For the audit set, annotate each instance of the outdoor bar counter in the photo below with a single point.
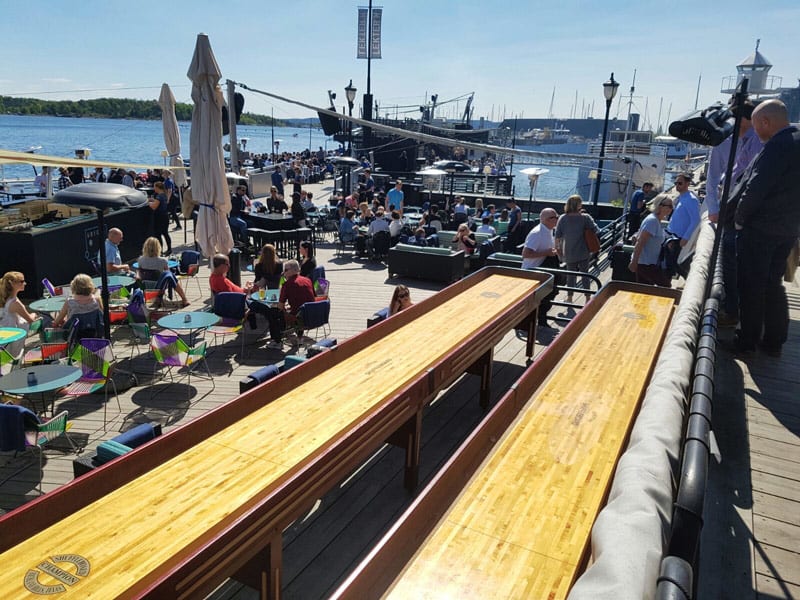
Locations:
(210, 500)
(61, 249)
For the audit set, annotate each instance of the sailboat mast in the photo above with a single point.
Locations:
(630, 107)
(697, 95)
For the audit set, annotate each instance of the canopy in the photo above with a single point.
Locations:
(26, 158)
(172, 135)
(209, 188)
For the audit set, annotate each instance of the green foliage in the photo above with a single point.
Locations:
(109, 108)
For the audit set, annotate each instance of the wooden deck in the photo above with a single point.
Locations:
(751, 535)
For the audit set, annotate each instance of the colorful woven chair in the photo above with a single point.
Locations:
(95, 358)
(172, 352)
(231, 308)
(55, 346)
(21, 429)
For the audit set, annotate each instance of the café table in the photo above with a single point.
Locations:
(197, 320)
(48, 379)
(270, 297)
(11, 334)
(115, 281)
(48, 305)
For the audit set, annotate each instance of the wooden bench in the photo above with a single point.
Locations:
(210, 500)
(509, 516)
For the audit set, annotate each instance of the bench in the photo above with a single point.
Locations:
(267, 372)
(422, 262)
(510, 514)
(116, 446)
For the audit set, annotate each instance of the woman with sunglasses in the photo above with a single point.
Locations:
(12, 312)
(649, 240)
(401, 299)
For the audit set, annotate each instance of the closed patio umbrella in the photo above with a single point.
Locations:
(172, 135)
(209, 188)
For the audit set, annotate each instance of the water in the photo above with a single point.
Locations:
(136, 141)
(130, 141)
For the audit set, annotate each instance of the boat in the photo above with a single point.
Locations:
(679, 149)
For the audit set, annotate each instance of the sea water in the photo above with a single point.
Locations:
(141, 142)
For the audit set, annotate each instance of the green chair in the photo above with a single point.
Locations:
(95, 358)
(172, 352)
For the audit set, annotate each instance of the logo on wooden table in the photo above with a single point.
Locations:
(634, 315)
(50, 569)
(490, 294)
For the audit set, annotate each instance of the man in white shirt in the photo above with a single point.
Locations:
(484, 227)
(379, 223)
(540, 251)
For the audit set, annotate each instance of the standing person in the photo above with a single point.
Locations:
(41, 181)
(571, 241)
(173, 199)
(99, 175)
(114, 264)
(395, 197)
(127, 179)
(267, 269)
(239, 203)
(369, 185)
(298, 212)
(401, 299)
(514, 225)
(685, 220)
(767, 221)
(540, 251)
(63, 179)
(13, 312)
(76, 175)
(277, 179)
(307, 261)
(158, 204)
(636, 207)
(747, 147)
(650, 238)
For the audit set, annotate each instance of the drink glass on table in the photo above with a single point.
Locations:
(262, 293)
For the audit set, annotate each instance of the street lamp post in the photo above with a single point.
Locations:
(450, 171)
(350, 91)
(609, 91)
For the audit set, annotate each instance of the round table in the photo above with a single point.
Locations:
(48, 378)
(48, 305)
(199, 320)
(11, 334)
(270, 297)
(115, 280)
(171, 263)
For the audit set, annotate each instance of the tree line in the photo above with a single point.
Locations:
(110, 108)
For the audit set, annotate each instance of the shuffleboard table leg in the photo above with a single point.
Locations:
(412, 431)
(483, 368)
(531, 342)
(263, 570)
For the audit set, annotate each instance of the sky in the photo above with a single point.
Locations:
(515, 55)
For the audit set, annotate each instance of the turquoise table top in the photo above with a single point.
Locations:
(114, 280)
(48, 378)
(270, 297)
(197, 320)
(172, 264)
(48, 305)
(11, 334)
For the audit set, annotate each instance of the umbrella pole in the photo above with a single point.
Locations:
(104, 295)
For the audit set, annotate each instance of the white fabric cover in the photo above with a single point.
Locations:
(630, 533)
(172, 135)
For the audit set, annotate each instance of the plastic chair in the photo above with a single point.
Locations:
(172, 352)
(189, 267)
(55, 346)
(95, 358)
(315, 315)
(322, 288)
(380, 244)
(21, 429)
(317, 273)
(231, 307)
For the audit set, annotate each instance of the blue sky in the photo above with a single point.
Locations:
(511, 54)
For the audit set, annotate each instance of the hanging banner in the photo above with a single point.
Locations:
(376, 33)
(362, 33)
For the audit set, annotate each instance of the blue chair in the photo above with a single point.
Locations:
(315, 315)
(189, 266)
(317, 273)
(231, 307)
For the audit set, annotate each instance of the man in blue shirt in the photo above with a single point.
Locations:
(395, 196)
(636, 206)
(686, 216)
(114, 264)
(277, 179)
(514, 225)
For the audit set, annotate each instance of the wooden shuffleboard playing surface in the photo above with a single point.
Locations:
(153, 522)
(520, 528)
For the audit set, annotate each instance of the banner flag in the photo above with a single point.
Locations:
(362, 33)
(376, 33)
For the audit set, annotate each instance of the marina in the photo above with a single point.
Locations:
(417, 415)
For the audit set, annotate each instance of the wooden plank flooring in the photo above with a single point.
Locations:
(751, 539)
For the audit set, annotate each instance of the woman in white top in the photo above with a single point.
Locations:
(152, 264)
(84, 300)
(12, 312)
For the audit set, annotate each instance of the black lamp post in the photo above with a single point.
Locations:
(450, 171)
(609, 91)
(350, 91)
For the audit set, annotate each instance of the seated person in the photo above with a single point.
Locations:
(464, 240)
(419, 238)
(240, 204)
(12, 311)
(219, 282)
(365, 216)
(275, 202)
(268, 269)
(295, 292)
(379, 223)
(114, 264)
(84, 300)
(486, 227)
(348, 230)
(152, 265)
(396, 226)
(401, 298)
(306, 200)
